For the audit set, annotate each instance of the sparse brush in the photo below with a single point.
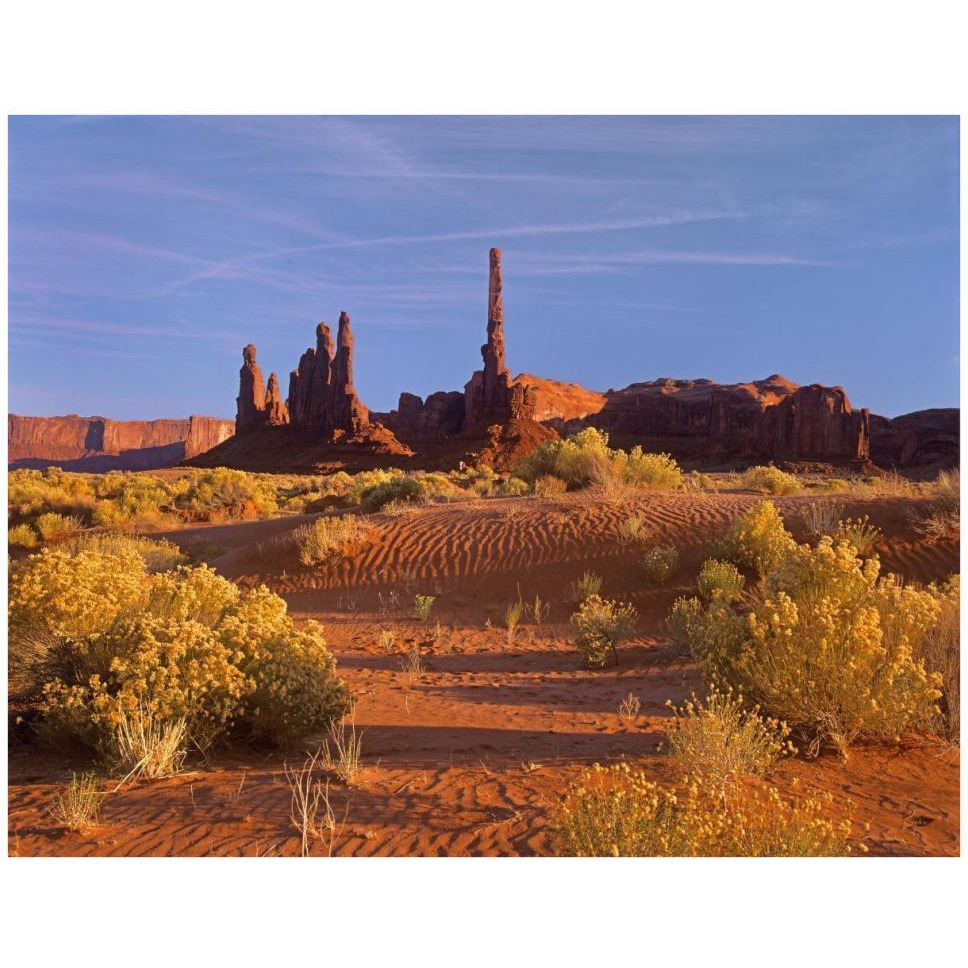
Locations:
(158, 554)
(51, 524)
(629, 707)
(583, 588)
(78, 805)
(861, 535)
(387, 640)
(512, 617)
(720, 578)
(22, 536)
(549, 486)
(722, 739)
(770, 480)
(310, 810)
(684, 623)
(660, 563)
(618, 812)
(148, 746)
(820, 518)
(345, 757)
(326, 538)
(697, 481)
(630, 530)
(538, 610)
(422, 605)
(600, 626)
(941, 652)
(412, 663)
(942, 518)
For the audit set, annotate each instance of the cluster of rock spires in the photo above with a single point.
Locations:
(321, 392)
(498, 417)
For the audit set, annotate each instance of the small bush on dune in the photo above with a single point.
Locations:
(770, 480)
(157, 554)
(758, 539)
(415, 491)
(51, 524)
(619, 812)
(22, 536)
(78, 806)
(631, 529)
(584, 587)
(861, 535)
(660, 563)
(549, 486)
(325, 538)
(422, 605)
(720, 578)
(684, 621)
(722, 739)
(600, 625)
(820, 518)
(942, 517)
(640, 469)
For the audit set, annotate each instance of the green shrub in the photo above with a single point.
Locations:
(600, 625)
(224, 494)
(719, 578)
(400, 490)
(757, 539)
(770, 480)
(619, 812)
(660, 563)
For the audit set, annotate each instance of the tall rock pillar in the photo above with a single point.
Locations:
(251, 401)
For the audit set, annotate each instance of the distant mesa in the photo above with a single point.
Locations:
(98, 444)
(323, 425)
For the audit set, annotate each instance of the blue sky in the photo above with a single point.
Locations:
(146, 251)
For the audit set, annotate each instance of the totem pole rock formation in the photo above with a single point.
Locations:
(489, 396)
(251, 401)
(346, 411)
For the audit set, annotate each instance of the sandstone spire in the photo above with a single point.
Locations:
(493, 350)
(346, 412)
(277, 413)
(251, 401)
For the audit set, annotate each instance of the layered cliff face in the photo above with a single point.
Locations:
(99, 444)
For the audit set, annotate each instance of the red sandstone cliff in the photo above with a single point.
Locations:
(100, 444)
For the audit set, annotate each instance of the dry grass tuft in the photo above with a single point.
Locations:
(78, 805)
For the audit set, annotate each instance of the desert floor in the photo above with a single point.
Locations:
(471, 756)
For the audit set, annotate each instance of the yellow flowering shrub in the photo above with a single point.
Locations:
(831, 647)
(106, 643)
(770, 480)
(719, 577)
(158, 554)
(600, 624)
(758, 539)
(172, 669)
(619, 812)
(291, 678)
(325, 537)
(74, 596)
